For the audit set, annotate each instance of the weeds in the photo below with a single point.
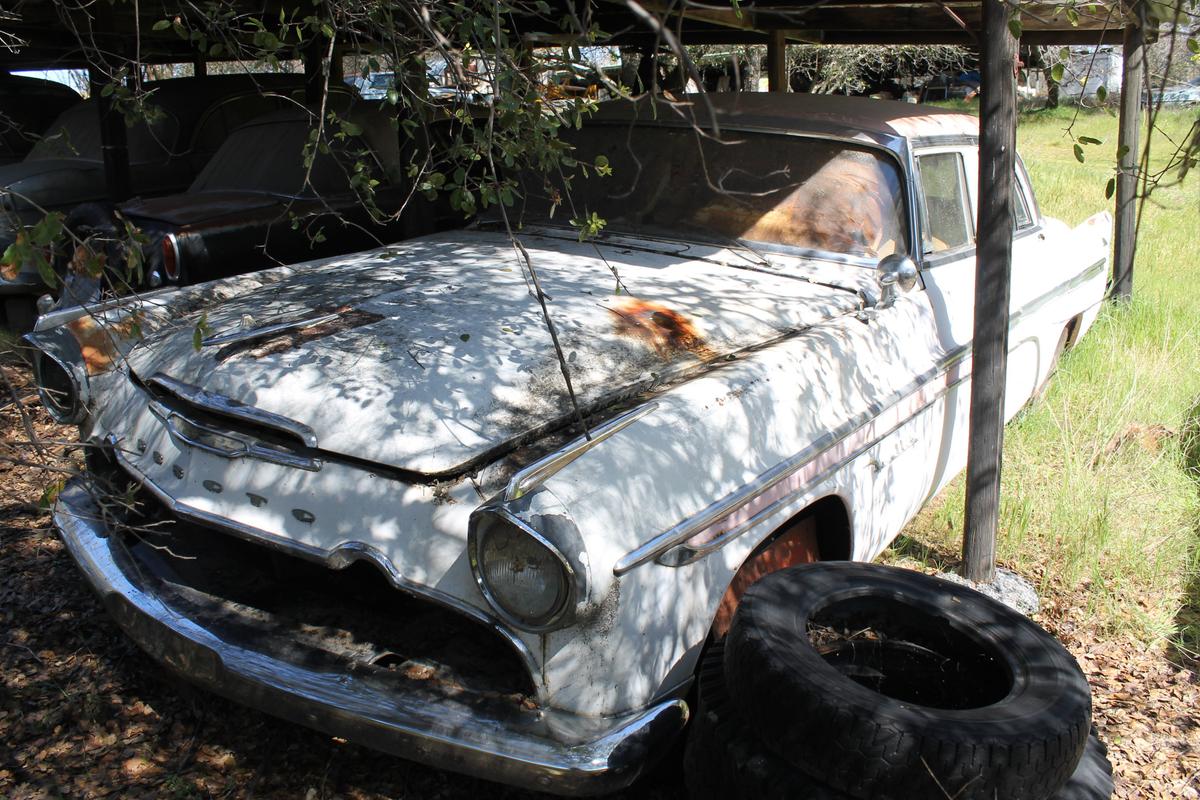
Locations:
(1101, 484)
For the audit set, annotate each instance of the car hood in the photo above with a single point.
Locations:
(52, 182)
(195, 208)
(433, 356)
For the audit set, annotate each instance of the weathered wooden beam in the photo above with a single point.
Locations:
(1133, 75)
(993, 267)
(777, 71)
(114, 146)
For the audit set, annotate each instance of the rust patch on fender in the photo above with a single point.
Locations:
(100, 344)
(289, 340)
(666, 330)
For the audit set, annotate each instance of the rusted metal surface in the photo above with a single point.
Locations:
(101, 343)
(668, 331)
(795, 546)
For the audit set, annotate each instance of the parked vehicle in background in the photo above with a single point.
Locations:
(27, 107)
(1178, 95)
(366, 500)
(191, 117)
(255, 205)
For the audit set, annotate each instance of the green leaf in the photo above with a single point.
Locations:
(466, 337)
(1122, 151)
(1078, 153)
(1101, 93)
(1110, 188)
(1194, 46)
(1073, 16)
(162, 25)
(1014, 26)
(1056, 73)
(1089, 140)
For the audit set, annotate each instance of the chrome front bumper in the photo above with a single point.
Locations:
(541, 749)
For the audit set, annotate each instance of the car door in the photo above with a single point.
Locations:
(947, 177)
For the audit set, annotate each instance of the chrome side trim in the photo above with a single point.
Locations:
(537, 473)
(543, 749)
(341, 556)
(815, 472)
(722, 508)
(1039, 302)
(660, 545)
(219, 404)
(267, 330)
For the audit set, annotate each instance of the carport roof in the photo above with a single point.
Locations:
(47, 36)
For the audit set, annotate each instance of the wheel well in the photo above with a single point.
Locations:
(821, 532)
(1073, 331)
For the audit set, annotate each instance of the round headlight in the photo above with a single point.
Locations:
(521, 575)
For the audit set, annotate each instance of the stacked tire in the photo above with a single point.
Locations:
(840, 680)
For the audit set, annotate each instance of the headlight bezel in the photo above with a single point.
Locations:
(572, 580)
(59, 348)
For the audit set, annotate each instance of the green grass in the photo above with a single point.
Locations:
(1117, 523)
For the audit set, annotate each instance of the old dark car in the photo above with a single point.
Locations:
(66, 167)
(255, 205)
(27, 107)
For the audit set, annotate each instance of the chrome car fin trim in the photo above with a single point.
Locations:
(248, 447)
(728, 504)
(333, 559)
(266, 330)
(537, 473)
(219, 404)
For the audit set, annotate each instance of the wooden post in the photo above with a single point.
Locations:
(200, 68)
(114, 144)
(315, 77)
(1132, 78)
(993, 263)
(777, 71)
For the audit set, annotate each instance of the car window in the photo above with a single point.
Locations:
(232, 113)
(267, 156)
(76, 134)
(947, 222)
(1021, 216)
(799, 191)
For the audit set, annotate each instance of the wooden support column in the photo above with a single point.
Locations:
(993, 267)
(315, 76)
(200, 68)
(777, 71)
(113, 140)
(1132, 79)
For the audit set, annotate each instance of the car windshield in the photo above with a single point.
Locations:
(76, 134)
(268, 157)
(791, 190)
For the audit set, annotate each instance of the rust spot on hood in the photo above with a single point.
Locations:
(349, 319)
(666, 330)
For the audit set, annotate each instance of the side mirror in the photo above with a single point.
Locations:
(896, 273)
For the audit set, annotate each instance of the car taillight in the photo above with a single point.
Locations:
(170, 257)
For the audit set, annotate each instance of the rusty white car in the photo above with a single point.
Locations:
(364, 500)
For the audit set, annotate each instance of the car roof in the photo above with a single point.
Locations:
(886, 122)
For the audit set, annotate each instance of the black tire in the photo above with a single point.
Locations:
(1001, 710)
(725, 760)
(1093, 778)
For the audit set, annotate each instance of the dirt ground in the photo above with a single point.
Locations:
(84, 714)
